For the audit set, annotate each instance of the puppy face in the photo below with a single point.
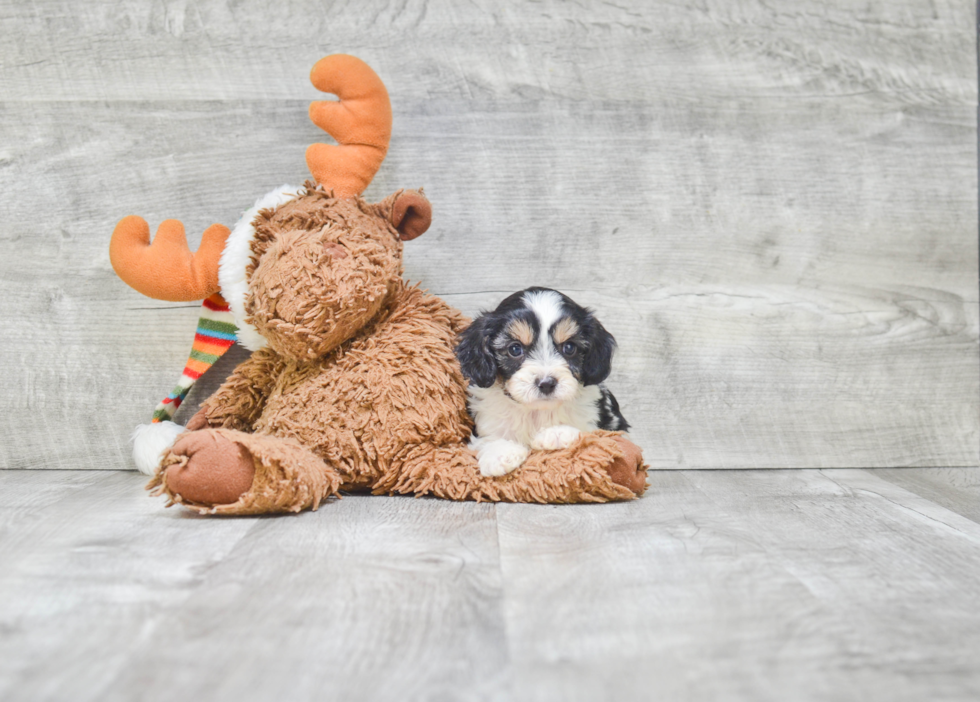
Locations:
(540, 345)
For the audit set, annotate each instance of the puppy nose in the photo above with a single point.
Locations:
(547, 385)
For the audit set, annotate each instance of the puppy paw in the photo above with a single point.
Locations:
(557, 437)
(501, 457)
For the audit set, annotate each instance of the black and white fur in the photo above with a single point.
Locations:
(535, 367)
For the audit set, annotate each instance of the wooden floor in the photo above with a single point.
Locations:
(718, 585)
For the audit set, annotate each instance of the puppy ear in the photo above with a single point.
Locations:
(597, 362)
(473, 351)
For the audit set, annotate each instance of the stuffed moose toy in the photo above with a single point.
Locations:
(352, 384)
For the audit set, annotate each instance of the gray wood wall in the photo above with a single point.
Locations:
(772, 205)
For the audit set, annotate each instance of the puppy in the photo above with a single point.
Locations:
(535, 367)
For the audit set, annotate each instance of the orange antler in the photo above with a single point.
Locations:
(360, 122)
(166, 269)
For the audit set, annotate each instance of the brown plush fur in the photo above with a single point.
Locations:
(358, 388)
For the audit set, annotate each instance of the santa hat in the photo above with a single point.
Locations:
(215, 335)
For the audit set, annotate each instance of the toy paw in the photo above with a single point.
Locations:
(217, 470)
(628, 470)
(553, 438)
(501, 457)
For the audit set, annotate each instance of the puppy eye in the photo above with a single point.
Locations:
(568, 348)
(515, 350)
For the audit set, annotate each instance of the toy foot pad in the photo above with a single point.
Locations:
(218, 471)
(628, 470)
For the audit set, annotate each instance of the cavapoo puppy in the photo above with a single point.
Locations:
(535, 367)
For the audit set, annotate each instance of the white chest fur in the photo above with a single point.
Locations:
(499, 417)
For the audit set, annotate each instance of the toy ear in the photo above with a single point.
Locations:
(411, 214)
(473, 351)
(598, 359)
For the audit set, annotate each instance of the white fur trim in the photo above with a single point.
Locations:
(149, 443)
(235, 258)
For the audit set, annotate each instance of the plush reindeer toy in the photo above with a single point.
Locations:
(352, 383)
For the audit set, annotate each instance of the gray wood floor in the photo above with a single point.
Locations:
(718, 585)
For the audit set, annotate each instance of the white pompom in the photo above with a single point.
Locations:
(149, 443)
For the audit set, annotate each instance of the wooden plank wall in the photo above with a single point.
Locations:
(773, 205)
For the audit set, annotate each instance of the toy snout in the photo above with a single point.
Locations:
(323, 271)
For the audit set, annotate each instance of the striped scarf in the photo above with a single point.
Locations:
(215, 335)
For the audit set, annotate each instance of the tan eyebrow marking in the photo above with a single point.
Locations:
(564, 330)
(521, 330)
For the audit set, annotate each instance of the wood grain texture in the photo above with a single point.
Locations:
(909, 50)
(388, 599)
(772, 205)
(956, 489)
(735, 585)
(739, 585)
(106, 595)
(89, 568)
